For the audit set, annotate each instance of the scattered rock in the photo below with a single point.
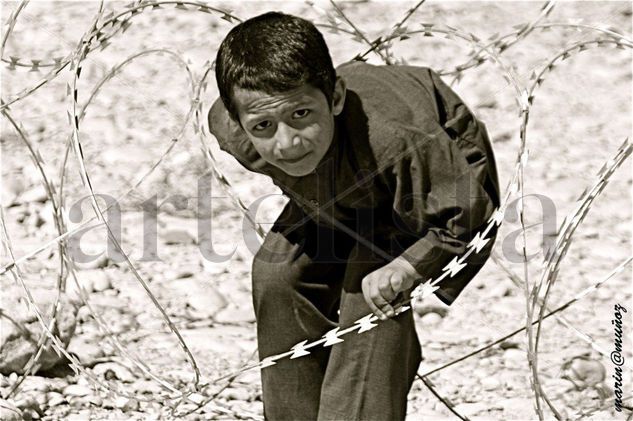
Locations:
(73, 289)
(424, 309)
(77, 390)
(509, 345)
(178, 236)
(35, 194)
(101, 281)
(29, 404)
(55, 399)
(235, 315)
(99, 262)
(114, 371)
(470, 409)
(35, 383)
(9, 412)
(490, 383)
(518, 408)
(88, 352)
(500, 290)
(126, 404)
(514, 357)
(21, 329)
(203, 299)
(431, 319)
(236, 394)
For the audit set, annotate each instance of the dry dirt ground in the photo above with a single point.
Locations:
(581, 115)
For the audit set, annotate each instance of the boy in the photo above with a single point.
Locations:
(389, 177)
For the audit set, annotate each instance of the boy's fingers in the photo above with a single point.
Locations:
(368, 295)
(387, 291)
(381, 303)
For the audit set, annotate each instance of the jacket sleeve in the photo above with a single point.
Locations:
(444, 185)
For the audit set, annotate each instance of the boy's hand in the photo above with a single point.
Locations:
(383, 285)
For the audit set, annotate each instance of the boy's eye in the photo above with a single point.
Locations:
(262, 126)
(300, 113)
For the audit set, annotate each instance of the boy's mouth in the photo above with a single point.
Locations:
(295, 160)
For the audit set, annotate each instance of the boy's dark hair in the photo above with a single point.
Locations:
(273, 53)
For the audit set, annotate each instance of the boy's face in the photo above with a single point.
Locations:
(291, 130)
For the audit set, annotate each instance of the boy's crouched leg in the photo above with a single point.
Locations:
(296, 290)
(369, 374)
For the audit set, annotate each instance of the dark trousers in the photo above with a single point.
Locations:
(301, 280)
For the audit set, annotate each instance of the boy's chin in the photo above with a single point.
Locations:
(297, 171)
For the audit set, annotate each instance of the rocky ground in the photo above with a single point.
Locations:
(195, 258)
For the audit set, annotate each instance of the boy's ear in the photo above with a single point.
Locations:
(338, 99)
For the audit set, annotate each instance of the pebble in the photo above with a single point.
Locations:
(36, 383)
(29, 403)
(114, 371)
(34, 194)
(83, 314)
(518, 408)
(235, 394)
(508, 345)
(490, 383)
(87, 352)
(177, 236)
(72, 289)
(514, 357)
(42, 399)
(235, 315)
(499, 291)
(206, 302)
(77, 390)
(470, 409)
(425, 309)
(9, 412)
(126, 404)
(98, 262)
(101, 281)
(431, 319)
(55, 399)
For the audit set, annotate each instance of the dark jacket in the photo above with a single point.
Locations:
(410, 168)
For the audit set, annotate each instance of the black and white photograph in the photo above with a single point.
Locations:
(330, 210)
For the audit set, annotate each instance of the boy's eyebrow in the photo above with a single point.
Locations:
(301, 102)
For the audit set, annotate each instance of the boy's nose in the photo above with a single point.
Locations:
(288, 142)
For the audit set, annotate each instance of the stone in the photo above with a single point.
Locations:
(112, 371)
(29, 404)
(430, 319)
(35, 383)
(490, 383)
(101, 281)
(515, 357)
(470, 409)
(77, 390)
(9, 412)
(235, 315)
(99, 262)
(177, 236)
(236, 394)
(424, 309)
(126, 404)
(203, 299)
(88, 352)
(34, 194)
(73, 288)
(55, 399)
(518, 408)
(21, 329)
